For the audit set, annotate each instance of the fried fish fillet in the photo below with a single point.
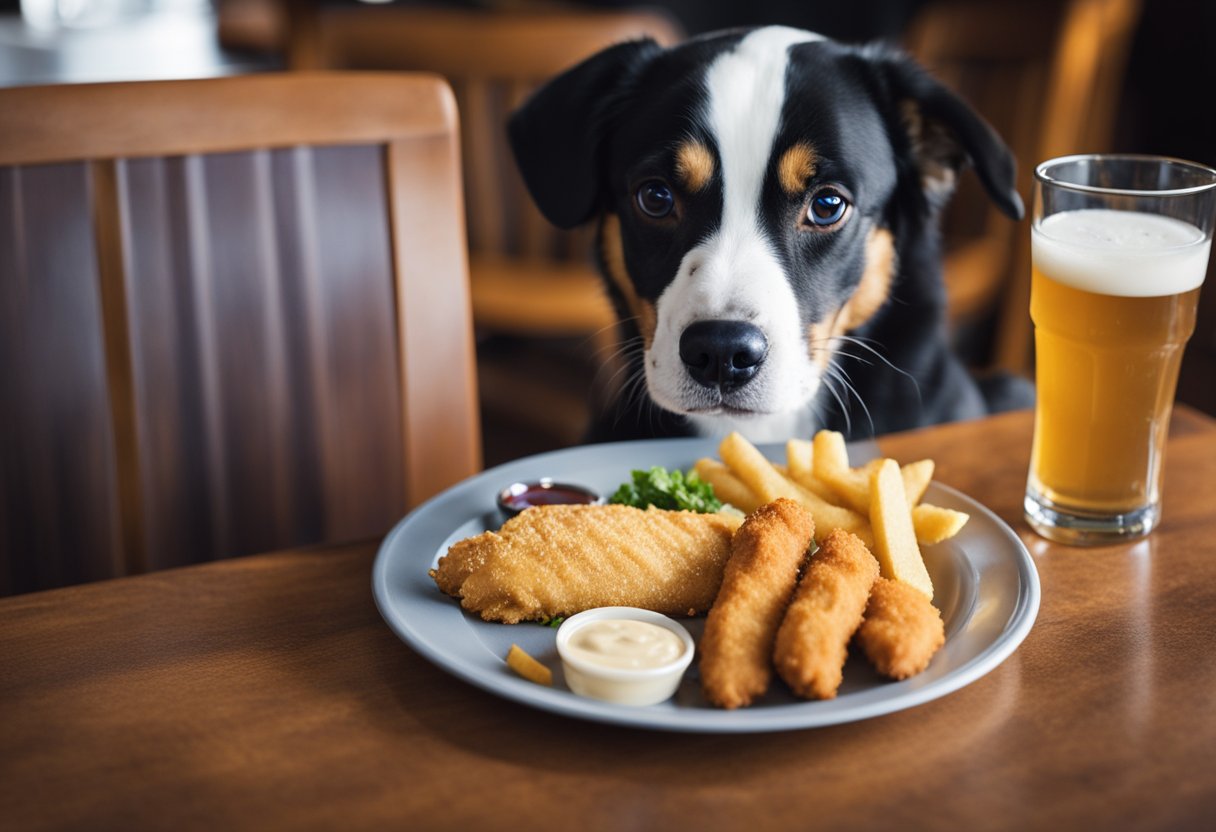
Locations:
(812, 644)
(559, 560)
(737, 648)
(901, 631)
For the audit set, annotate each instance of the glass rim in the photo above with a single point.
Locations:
(1043, 177)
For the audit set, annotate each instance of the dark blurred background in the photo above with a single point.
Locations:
(1054, 76)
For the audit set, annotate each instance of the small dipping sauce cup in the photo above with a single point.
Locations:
(543, 492)
(599, 674)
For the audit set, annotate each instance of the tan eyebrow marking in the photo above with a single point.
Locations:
(694, 165)
(796, 167)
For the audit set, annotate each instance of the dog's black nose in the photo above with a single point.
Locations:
(723, 354)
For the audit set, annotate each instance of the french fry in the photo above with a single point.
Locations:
(894, 537)
(528, 667)
(727, 487)
(830, 462)
(934, 524)
(753, 468)
(798, 459)
(829, 517)
(767, 484)
(869, 468)
(800, 463)
(829, 452)
(916, 477)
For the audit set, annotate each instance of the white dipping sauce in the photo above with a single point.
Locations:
(624, 655)
(623, 643)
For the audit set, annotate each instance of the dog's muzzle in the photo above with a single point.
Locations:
(723, 355)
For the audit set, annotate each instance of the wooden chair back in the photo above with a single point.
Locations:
(234, 318)
(1047, 75)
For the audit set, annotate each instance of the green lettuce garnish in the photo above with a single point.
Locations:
(671, 490)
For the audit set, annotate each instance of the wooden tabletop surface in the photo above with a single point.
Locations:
(266, 693)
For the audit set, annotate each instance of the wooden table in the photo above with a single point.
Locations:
(266, 693)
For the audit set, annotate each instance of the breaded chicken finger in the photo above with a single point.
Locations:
(813, 641)
(901, 631)
(766, 554)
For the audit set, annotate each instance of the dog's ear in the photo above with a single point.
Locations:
(556, 134)
(945, 133)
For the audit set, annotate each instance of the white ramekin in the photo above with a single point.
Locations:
(624, 686)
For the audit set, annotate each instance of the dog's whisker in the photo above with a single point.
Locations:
(607, 327)
(829, 347)
(862, 342)
(857, 358)
(621, 358)
(852, 339)
(635, 390)
(835, 373)
(614, 348)
(840, 370)
(615, 382)
(864, 408)
(841, 398)
(818, 412)
(625, 396)
(629, 348)
(607, 353)
(849, 339)
(858, 338)
(620, 361)
(629, 395)
(844, 408)
(629, 390)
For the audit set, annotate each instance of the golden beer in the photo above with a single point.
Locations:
(1113, 300)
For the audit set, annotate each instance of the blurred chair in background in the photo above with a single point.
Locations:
(234, 318)
(1047, 74)
(258, 26)
(529, 280)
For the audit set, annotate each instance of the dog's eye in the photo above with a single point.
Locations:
(827, 208)
(655, 199)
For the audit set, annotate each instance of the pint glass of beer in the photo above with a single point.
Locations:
(1119, 246)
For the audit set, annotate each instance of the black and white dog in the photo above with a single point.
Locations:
(767, 204)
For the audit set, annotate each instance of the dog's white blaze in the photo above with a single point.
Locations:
(746, 93)
(735, 274)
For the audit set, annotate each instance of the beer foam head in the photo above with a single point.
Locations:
(1122, 253)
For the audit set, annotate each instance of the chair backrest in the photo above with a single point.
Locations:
(1047, 75)
(234, 318)
(493, 61)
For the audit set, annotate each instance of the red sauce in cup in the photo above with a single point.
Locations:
(545, 492)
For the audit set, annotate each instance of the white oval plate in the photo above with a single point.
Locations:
(984, 580)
